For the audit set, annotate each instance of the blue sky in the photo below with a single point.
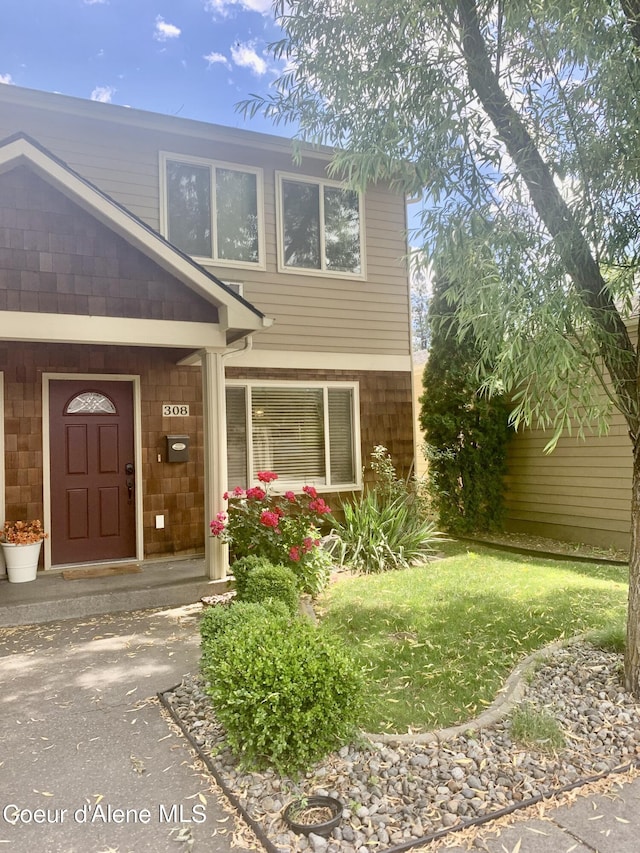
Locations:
(193, 58)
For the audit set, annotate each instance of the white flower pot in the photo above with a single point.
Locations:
(21, 561)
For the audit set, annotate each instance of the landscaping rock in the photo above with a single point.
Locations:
(397, 794)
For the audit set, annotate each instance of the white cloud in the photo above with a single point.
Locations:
(7, 78)
(224, 7)
(245, 56)
(214, 58)
(164, 31)
(103, 94)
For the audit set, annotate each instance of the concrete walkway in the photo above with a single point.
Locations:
(81, 736)
(600, 823)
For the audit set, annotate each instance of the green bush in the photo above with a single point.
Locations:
(285, 692)
(217, 619)
(242, 568)
(314, 571)
(379, 534)
(269, 582)
(466, 432)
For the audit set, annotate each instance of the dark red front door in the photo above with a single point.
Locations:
(92, 474)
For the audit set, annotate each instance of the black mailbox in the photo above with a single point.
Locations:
(177, 448)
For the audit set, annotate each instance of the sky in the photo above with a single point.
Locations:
(192, 58)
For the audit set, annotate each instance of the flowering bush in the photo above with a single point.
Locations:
(22, 532)
(281, 528)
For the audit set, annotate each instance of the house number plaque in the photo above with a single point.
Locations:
(175, 410)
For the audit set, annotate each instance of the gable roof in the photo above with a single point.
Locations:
(238, 317)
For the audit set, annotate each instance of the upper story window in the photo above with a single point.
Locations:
(213, 211)
(321, 227)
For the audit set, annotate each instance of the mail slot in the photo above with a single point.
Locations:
(177, 448)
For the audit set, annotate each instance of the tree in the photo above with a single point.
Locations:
(520, 122)
(420, 280)
(466, 432)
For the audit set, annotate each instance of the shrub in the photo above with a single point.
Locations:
(379, 535)
(285, 693)
(243, 567)
(269, 582)
(386, 527)
(281, 528)
(215, 620)
(466, 432)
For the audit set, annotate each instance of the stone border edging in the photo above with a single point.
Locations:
(507, 697)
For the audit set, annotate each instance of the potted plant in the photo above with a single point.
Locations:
(315, 814)
(21, 542)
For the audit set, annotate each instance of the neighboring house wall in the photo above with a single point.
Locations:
(581, 492)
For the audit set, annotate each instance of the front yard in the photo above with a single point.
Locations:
(437, 641)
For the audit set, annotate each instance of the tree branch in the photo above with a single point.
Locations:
(631, 9)
(554, 212)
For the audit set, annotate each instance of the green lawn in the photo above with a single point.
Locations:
(437, 641)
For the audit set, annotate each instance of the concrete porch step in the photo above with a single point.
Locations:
(51, 598)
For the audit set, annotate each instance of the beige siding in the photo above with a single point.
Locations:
(118, 151)
(580, 492)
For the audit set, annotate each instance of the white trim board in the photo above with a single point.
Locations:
(305, 360)
(33, 327)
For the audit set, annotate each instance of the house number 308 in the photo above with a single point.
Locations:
(173, 410)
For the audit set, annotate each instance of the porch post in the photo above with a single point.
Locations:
(215, 458)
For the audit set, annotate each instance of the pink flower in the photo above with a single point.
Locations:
(310, 490)
(269, 519)
(256, 493)
(225, 496)
(290, 497)
(238, 491)
(221, 516)
(307, 543)
(217, 528)
(267, 476)
(294, 554)
(319, 506)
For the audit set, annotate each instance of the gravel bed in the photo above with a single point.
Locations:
(395, 794)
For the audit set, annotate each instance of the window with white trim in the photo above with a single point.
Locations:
(320, 226)
(306, 433)
(213, 211)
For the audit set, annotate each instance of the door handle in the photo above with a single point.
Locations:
(130, 489)
(128, 469)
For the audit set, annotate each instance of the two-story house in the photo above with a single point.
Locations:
(182, 306)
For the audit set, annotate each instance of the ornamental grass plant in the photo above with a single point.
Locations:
(387, 526)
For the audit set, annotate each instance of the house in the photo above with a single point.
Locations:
(181, 306)
(579, 493)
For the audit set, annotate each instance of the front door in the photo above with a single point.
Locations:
(92, 471)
